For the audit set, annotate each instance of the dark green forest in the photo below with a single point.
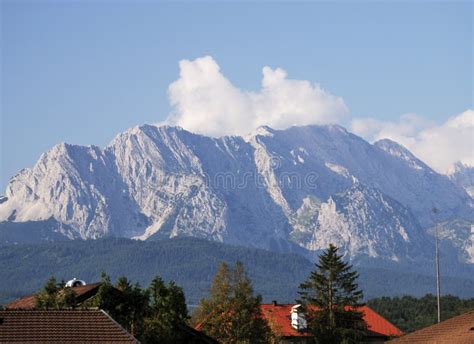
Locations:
(191, 263)
(409, 313)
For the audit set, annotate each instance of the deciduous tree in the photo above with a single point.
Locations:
(232, 313)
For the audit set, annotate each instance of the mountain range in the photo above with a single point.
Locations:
(293, 190)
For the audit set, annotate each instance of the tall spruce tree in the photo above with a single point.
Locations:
(331, 301)
(232, 313)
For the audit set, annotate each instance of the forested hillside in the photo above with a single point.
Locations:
(409, 313)
(191, 263)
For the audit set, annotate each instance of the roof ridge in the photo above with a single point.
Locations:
(444, 330)
(121, 327)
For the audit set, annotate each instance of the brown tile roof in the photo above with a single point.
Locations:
(82, 293)
(61, 326)
(457, 330)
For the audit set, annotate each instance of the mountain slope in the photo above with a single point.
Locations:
(77, 186)
(389, 230)
(285, 190)
(463, 176)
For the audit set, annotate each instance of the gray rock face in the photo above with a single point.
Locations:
(295, 189)
(463, 176)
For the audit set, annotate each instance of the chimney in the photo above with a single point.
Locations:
(274, 303)
(298, 320)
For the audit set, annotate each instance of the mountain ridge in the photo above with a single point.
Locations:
(283, 190)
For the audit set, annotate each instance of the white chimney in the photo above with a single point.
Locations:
(298, 320)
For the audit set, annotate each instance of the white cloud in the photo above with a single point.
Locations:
(440, 146)
(206, 102)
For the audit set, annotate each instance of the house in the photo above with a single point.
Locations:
(61, 326)
(287, 321)
(83, 292)
(457, 330)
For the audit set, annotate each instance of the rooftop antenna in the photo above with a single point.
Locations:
(435, 212)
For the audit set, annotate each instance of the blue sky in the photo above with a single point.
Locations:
(83, 71)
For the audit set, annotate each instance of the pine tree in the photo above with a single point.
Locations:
(130, 305)
(331, 298)
(124, 302)
(231, 313)
(47, 298)
(67, 299)
(166, 313)
(55, 296)
(106, 296)
(155, 315)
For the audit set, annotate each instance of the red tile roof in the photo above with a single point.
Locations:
(82, 293)
(61, 326)
(457, 330)
(379, 324)
(280, 316)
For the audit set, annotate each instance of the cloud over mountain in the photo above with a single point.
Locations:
(206, 102)
(440, 146)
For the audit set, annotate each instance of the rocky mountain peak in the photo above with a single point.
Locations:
(287, 190)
